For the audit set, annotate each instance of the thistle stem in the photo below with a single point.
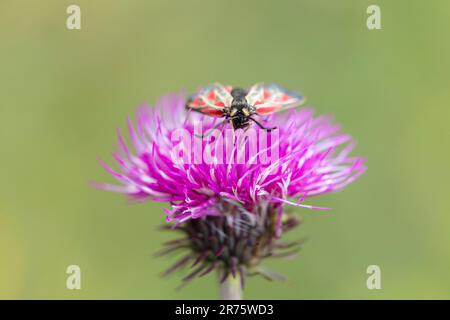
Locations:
(231, 289)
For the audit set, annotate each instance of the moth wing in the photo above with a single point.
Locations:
(255, 94)
(211, 100)
(275, 98)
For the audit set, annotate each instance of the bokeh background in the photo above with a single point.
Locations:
(63, 94)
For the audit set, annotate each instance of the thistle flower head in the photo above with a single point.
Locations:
(227, 197)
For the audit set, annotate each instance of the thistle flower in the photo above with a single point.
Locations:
(230, 213)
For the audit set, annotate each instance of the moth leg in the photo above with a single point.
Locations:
(261, 126)
(210, 131)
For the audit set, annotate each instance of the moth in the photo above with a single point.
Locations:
(239, 106)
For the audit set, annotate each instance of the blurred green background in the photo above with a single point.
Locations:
(63, 94)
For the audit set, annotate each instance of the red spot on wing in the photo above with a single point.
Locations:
(266, 94)
(194, 103)
(211, 96)
(212, 112)
(267, 110)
